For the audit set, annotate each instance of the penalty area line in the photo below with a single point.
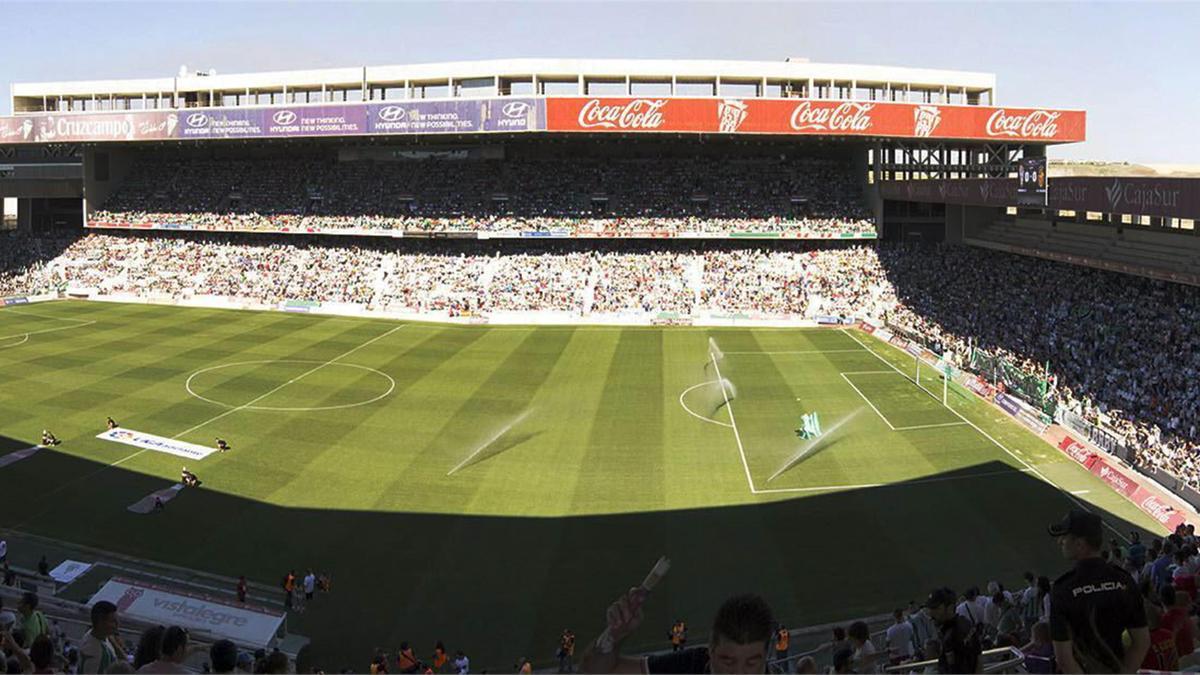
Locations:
(800, 351)
(997, 443)
(931, 426)
(864, 397)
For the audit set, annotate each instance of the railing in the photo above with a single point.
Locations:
(788, 664)
(999, 660)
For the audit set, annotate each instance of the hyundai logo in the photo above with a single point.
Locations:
(392, 113)
(515, 109)
(284, 117)
(197, 120)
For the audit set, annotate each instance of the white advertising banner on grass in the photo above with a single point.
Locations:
(247, 626)
(157, 443)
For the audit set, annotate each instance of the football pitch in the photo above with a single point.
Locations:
(489, 486)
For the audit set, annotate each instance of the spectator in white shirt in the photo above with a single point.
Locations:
(865, 656)
(969, 608)
(899, 639)
(310, 585)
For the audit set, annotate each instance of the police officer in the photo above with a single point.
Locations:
(1092, 605)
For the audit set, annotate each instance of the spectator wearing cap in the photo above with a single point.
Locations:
(1093, 604)
(101, 647)
(245, 662)
(959, 650)
(739, 642)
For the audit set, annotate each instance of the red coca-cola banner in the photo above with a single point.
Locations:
(1115, 479)
(1158, 509)
(1078, 452)
(815, 117)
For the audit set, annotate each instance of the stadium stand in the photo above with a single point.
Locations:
(681, 195)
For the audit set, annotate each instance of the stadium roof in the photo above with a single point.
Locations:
(493, 76)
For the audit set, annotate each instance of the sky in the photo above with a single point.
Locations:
(1132, 66)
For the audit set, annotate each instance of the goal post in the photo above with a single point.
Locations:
(934, 378)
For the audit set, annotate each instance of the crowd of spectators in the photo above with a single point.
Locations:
(465, 277)
(816, 197)
(1118, 350)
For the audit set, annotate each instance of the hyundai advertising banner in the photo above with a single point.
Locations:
(348, 119)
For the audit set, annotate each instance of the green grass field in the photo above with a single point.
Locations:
(489, 486)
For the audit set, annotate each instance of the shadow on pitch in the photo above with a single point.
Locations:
(505, 587)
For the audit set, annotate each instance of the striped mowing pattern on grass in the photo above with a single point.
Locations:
(517, 479)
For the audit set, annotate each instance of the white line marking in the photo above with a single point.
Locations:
(46, 316)
(693, 414)
(296, 379)
(988, 436)
(119, 462)
(24, 339)
(866, 372)
(830, 488)
(188, 386)
(46, 330)
(1080, 492)
(733, 423)
(931, 426)
(802, 351)
(864, 397)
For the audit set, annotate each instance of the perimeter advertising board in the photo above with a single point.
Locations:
(348, 119)
(561, 114)
(1166, 197)
(813, 117)
(245, 625)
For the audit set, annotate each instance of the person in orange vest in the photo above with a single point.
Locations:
(439, 657)
(289, 585)
(678, 635)
(781, 643)
(406, 661)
